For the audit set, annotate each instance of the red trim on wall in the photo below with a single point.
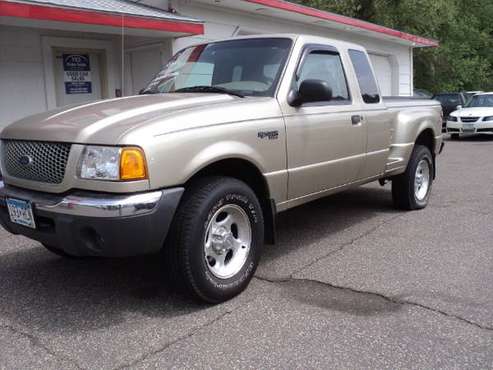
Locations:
(311, 12)
(49, 13)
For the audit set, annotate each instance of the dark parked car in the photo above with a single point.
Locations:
(422, 93)
(449, 102)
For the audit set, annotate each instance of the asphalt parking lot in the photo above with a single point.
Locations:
(352, 283)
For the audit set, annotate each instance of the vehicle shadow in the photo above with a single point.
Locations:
(42, 291)
(315, 221)
(52, 294)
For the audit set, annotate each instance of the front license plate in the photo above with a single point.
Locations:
(468, 127)
(21, 212)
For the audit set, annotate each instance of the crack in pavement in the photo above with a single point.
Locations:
(291, 278)
(345, 245)
(179, 339)
(389, 299)
(36, 342)
(217, 319)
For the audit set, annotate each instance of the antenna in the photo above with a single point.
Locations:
(123, 56)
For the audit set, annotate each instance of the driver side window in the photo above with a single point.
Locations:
(326, 66)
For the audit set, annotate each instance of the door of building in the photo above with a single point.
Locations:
(78, 76)
(145, 64)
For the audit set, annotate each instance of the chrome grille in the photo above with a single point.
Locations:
(469, 119)
(35, 161)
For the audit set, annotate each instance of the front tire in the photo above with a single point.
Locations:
(216, 239)
(454, 136)
(411, 190)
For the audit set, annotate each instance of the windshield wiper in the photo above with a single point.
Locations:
(209, 89)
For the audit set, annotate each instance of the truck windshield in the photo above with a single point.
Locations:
(481, 101)
(243, 67)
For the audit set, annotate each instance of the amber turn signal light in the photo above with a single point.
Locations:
(132, 164)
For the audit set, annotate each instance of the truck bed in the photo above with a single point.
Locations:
(408, 101)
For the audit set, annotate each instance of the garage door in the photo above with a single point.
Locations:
(383, 70)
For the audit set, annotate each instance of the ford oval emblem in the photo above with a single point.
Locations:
(25, 160)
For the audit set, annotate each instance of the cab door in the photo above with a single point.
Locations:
(325, 140)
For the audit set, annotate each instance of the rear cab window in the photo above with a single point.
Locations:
(366, 78)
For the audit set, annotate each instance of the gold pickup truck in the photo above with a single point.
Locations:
(196, 167)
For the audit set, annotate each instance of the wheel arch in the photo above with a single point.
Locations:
(246, 171)
(427, 138)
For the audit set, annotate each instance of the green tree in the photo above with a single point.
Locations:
(464, 29)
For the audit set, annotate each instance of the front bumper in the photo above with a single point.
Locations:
(96, 224)
(470, 128)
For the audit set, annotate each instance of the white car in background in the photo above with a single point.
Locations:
(476, 117)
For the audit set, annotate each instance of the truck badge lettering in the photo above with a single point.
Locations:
(271, 135)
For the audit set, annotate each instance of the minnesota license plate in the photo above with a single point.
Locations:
(21, 212)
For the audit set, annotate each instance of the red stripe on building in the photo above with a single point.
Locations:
(49, 13)
(303, 10)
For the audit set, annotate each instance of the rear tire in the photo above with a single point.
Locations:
(454, 136)
(216, 239)
(412, 189)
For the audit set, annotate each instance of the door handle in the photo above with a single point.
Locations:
(356, 120)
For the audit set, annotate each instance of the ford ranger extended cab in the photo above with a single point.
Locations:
(197, 166)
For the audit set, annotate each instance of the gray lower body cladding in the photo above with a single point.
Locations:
(92, 230)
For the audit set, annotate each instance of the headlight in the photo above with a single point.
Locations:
(452, 119)
(113, 163)
(487, 119)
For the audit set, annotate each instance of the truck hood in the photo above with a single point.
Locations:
(473, 112)
(107, 121)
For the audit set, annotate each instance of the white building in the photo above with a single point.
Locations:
(120, 44)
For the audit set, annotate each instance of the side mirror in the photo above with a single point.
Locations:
(310, 91)
(459, 107)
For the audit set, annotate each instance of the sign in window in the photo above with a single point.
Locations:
(77, 74)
